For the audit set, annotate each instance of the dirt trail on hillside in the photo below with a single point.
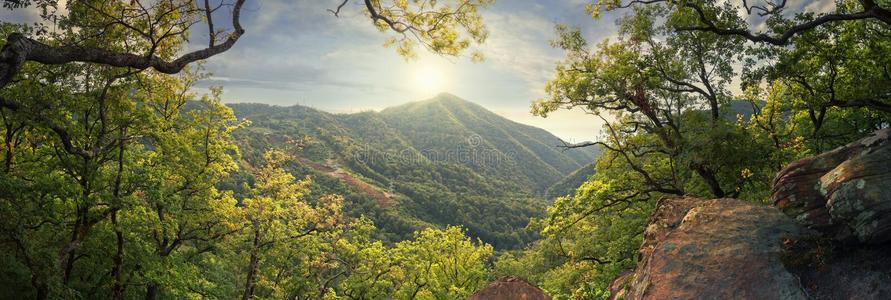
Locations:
(383, 199)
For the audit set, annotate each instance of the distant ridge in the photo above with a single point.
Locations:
(436, 162)
(521, 149)
(441, 127)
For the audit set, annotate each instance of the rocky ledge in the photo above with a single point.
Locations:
(510, 288)
(731, 249)
(827, 237)
(714, 249)
(844, 193)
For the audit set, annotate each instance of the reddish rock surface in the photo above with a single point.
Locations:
(617, 286)
(715, 249)
(844, 193)
(828, 236)
(510, 288)
(731, 249)
(668, 216)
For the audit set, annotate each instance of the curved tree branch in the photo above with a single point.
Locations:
(336, 11)
(870, 11)
(20, 49)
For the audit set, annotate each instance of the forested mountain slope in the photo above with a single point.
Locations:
(431, 163)
(450, 129)
(568, 185)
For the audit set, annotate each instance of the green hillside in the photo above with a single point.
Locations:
(568, 185)
(451, 129)
(443, 161)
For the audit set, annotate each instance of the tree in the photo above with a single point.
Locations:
(441, 264)
(277, 218)
(834, 81)
(439, 26)
(865, 23)
(664, 94)
(721, 19)
(178, 215)
(125, 186)
(673, 127)
(443, 27)
(152, 26)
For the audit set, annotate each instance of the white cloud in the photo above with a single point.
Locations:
(297, 52)
(518, 42)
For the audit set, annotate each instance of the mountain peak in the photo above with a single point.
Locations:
(445, 97)
(446, 101)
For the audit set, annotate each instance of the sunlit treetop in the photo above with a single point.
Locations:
(442, 27)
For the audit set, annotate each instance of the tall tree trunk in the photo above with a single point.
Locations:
(252, 266)
(151, 291)
(81, 227)
(42, 291)
(10, 141)
(251, 275)
(118, 269)
(67, 255)
(711, 180)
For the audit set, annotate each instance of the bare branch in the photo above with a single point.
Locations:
(567, 146)
(336, 11)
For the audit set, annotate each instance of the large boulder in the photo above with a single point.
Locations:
(844, 193)
(510, 288)
(731, 249)
(715, 249)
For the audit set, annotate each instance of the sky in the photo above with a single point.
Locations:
(297, 52)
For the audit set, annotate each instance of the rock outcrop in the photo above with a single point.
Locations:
(510, 288)
(731, 249)
(828, 236)
(844, 193)
(715, 249)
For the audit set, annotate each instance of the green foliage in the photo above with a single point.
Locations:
(441, 265)
(673, 126)
(588, 238)
(569, 184)
(116, 184)
(125, 166)
(443, 27)
(428, 157)
(121, 183)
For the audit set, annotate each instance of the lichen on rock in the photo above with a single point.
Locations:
(714, 249)
(844, 193)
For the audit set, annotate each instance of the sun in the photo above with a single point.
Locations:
(429, 79)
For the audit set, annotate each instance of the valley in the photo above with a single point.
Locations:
(438, 162)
